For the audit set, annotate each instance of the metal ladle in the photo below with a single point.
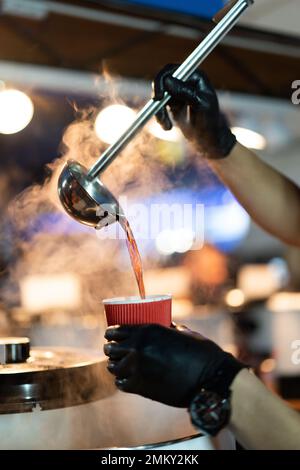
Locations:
(81, 193)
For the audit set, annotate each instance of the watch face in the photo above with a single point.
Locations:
(209, 412)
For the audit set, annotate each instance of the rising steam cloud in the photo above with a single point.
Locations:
(58, 246)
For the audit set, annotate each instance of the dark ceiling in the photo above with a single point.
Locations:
(63, 40)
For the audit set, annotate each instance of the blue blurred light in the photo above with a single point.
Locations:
(226, 223)
(200, 8)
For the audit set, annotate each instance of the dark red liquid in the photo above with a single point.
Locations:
(135, 256)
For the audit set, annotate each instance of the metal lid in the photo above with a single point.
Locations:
(53, 378)
(14, 350)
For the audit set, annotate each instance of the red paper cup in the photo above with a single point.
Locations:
(137, 311)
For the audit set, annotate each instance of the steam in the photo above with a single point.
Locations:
(62, 246)
(43, 240)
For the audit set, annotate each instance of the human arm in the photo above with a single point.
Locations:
(271, 199)
(260, 420)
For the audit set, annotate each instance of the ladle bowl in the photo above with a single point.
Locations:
(86, 199)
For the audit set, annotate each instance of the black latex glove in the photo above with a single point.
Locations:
(167, 365)
(195, 109)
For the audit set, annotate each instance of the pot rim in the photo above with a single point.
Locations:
(159, 444)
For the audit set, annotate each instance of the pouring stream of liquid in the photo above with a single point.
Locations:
(135, 256)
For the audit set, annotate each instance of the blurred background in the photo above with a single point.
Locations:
(72, 75)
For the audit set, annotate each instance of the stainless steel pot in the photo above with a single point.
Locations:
(63, 398)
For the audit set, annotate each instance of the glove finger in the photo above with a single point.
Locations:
(128, 384)
(199, 77)
(115, 351)
(124, 368)
(164, 119)
(120, 333)
(182, 92)
(179, 90)
(159, 81)
(205, 91)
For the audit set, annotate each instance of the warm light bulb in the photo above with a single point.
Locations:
(112, 121)
(164, 243)
(174, 135)
(174, 241)
(249, 138)
(16, 111)
(183, 240)
(235, 298)
(268, 365)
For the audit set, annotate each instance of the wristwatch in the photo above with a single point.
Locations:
(210, 408)
(210, 412)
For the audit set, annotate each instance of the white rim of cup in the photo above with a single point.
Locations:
(136, 300)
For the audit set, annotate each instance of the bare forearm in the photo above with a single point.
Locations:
(260, 420)
(271, 199)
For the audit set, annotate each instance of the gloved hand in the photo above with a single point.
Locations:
(195, 109)
(167, 365)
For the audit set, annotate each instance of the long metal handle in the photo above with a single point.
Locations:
(183, 72)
